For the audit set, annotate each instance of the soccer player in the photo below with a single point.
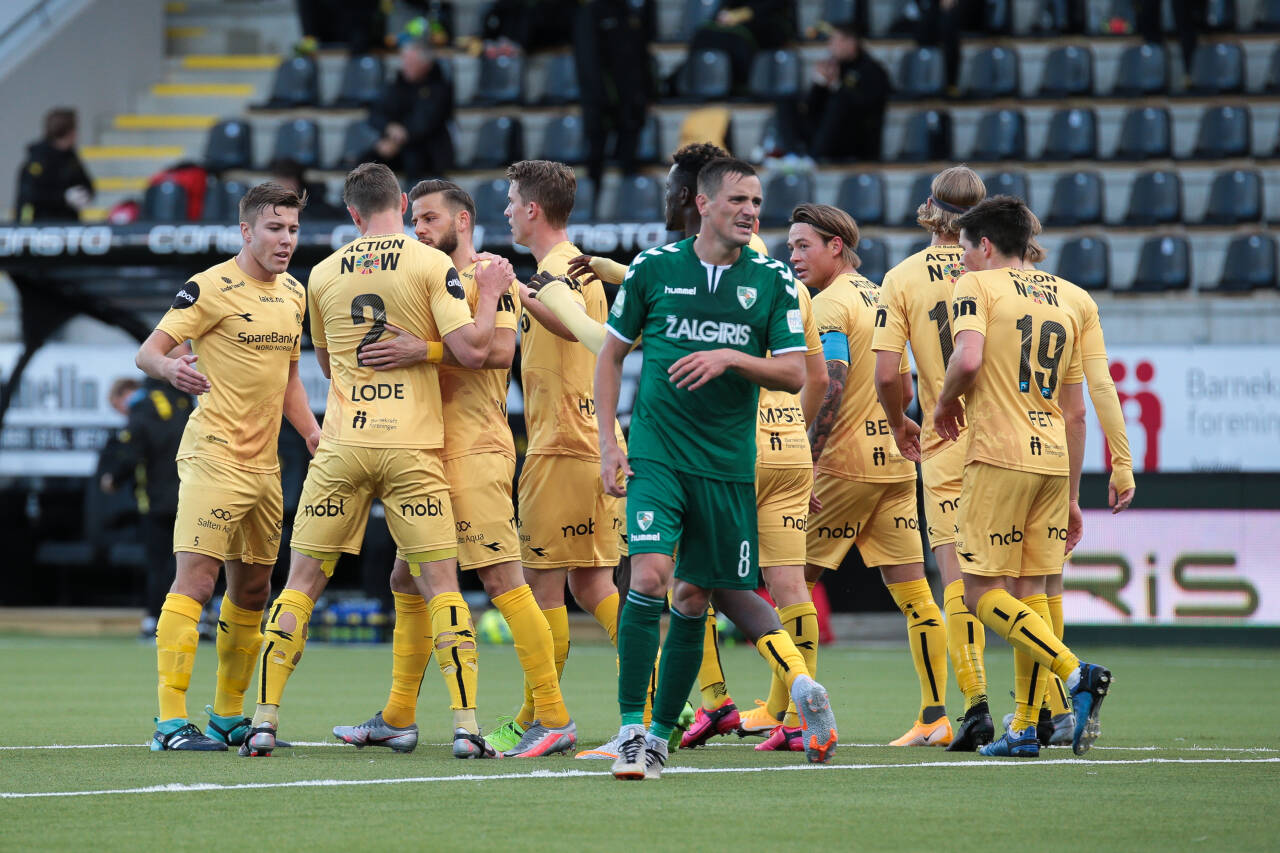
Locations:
(568, 525)
(479, 465)
(709, 309)
(244, 320)
(383, 434)
(1017, 362)
(915, 308)
(865, 490)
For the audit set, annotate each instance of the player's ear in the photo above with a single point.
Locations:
(835, 246)
(404, 203)
(246, 232)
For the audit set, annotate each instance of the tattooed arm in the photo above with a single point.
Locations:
(820, 429)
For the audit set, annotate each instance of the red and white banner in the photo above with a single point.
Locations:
(1175, 567)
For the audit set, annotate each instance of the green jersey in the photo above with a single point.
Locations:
(682, 305)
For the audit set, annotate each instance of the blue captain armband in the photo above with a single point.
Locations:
(835, 347)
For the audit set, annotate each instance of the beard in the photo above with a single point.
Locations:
(448, 242)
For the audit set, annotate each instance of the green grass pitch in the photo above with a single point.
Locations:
(1189, 759)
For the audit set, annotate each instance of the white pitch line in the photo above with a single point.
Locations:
(204, 787)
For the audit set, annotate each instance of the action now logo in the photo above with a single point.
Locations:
(707, 331)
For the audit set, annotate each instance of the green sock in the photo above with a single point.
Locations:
(681, 660)
(638, 638)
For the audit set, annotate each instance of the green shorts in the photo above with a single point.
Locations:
(712, 521)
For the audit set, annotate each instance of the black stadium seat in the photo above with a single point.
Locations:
(921, 73)
(1155, 199)
(1272, 84)
(696, 13)
(862, 197)
(782, 193)
(1008, 183)
(222, 201)
(1077, 199)
(874, 255)
(1235, 196)
(921, 188)
(707, 75)
(165, 202)
(562, 81)
(993, 73)
(564, 140)
(1146, 133)
(1164, 263)
(640, 198)
(296, 84)
(1268, 16)
(298, 139)
(1220, 15)
(499, 143)
(1144, 70)
(229, 145)
(649, 149)
(357, 140)
(927, 136)
(776, 74)
(1073, 135)
(491, 202)
(362, 82)
(1002, 135)
(1068, 73)
(1250, 263)
(584, 202)
(501, 80)
(1224, 132)
(1086, 261)
(1217, 69)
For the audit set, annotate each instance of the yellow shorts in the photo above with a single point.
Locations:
(566, 520)
(782, 511)
(343, 481)
(942, 474)
(880, 518)
(484, 518)
(228, 513)
(1012, 523)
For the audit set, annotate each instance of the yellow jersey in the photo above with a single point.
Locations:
(354, 293)
(475, 401)
(915, 306)
(1032, 348)
(781, 437)
(861, 445)
(245, 332)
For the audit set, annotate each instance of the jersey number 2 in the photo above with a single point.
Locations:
(374, 302)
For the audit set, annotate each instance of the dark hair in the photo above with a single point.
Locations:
(713, 173)
(371, 188)
(455, 196)
(1004, 220)
(548, 184)
(59, 122)
(690, 159)
(831, 222)
(269, 194)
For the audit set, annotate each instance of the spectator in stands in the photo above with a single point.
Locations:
(941, 22)
(512, 26)
(289, 173)
(144, 452)
(611, 48)
(53, 183)
(359, 27)
(413, 115)
(843, 115)
(1187, 16)
(742, 28)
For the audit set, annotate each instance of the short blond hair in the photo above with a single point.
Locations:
(548, 184)
(953, 191)
(831, 222)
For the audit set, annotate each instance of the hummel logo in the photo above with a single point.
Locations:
(248, 318)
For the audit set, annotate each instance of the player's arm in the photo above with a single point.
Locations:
(554, 294)
(154, 359)
(893, 389)
(542, 313)
(584, 269)
(782, 372)
(608, 380)
(1072, 401)
(962, 370)
(816, 382)
(825, 420)
(1102, 391)
(297, 409)
(470, 343)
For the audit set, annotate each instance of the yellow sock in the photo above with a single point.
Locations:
(966, 645)
(558, 620)
(606, 614)
(928, 639)
(800, 621)
(1056, 700)
(780, 652)
(177, 636)
(536, 651)
(453, 638)
(1026, 631)
(710, 674)
(239, 641)
(1029, 678)
(410, 651)
(286, 637)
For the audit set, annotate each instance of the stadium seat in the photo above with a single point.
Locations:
(1073, 135)
(1146, 133)
(165, 202)
(772, 143)
(920, 190)
(1155, 199)
(927, 136)
(874, 255)
(782, 193)
(1002, 135)
(300, 140)
(1008, 183)
(562, 81)
(1217, 69)
(841, 11)
(1250, 263)
(778, 249)
(584, 202)
(564, 140)
(1220, 15)
(1164, 263)
(499, 143)
(357, 140)
(229, 145)
(706, 76)
(696, 13)
(1068, 73)
(362, 82)
(1272, 84)
(1085, 261)
(993, 73)
(296, 84)
(862, 197)
(1268, 20)
(1077, 199)
(222, 201)
(1144, 70)
(776, 74)
(1235, 196)
(501, 80)
(921, 74)
(491, 202)
(649, 149)
(640, 198)
(1224, 132)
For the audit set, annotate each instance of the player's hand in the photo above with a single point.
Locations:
(948, 419)
(107, 483)
(494, 277)
(1119, 502)
(581, 269)
(313, 441)
(401, 350)
(1075, 527)
(541, 280)
(612, 462)
(907, 437)
(698, 368)
(181, 374)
